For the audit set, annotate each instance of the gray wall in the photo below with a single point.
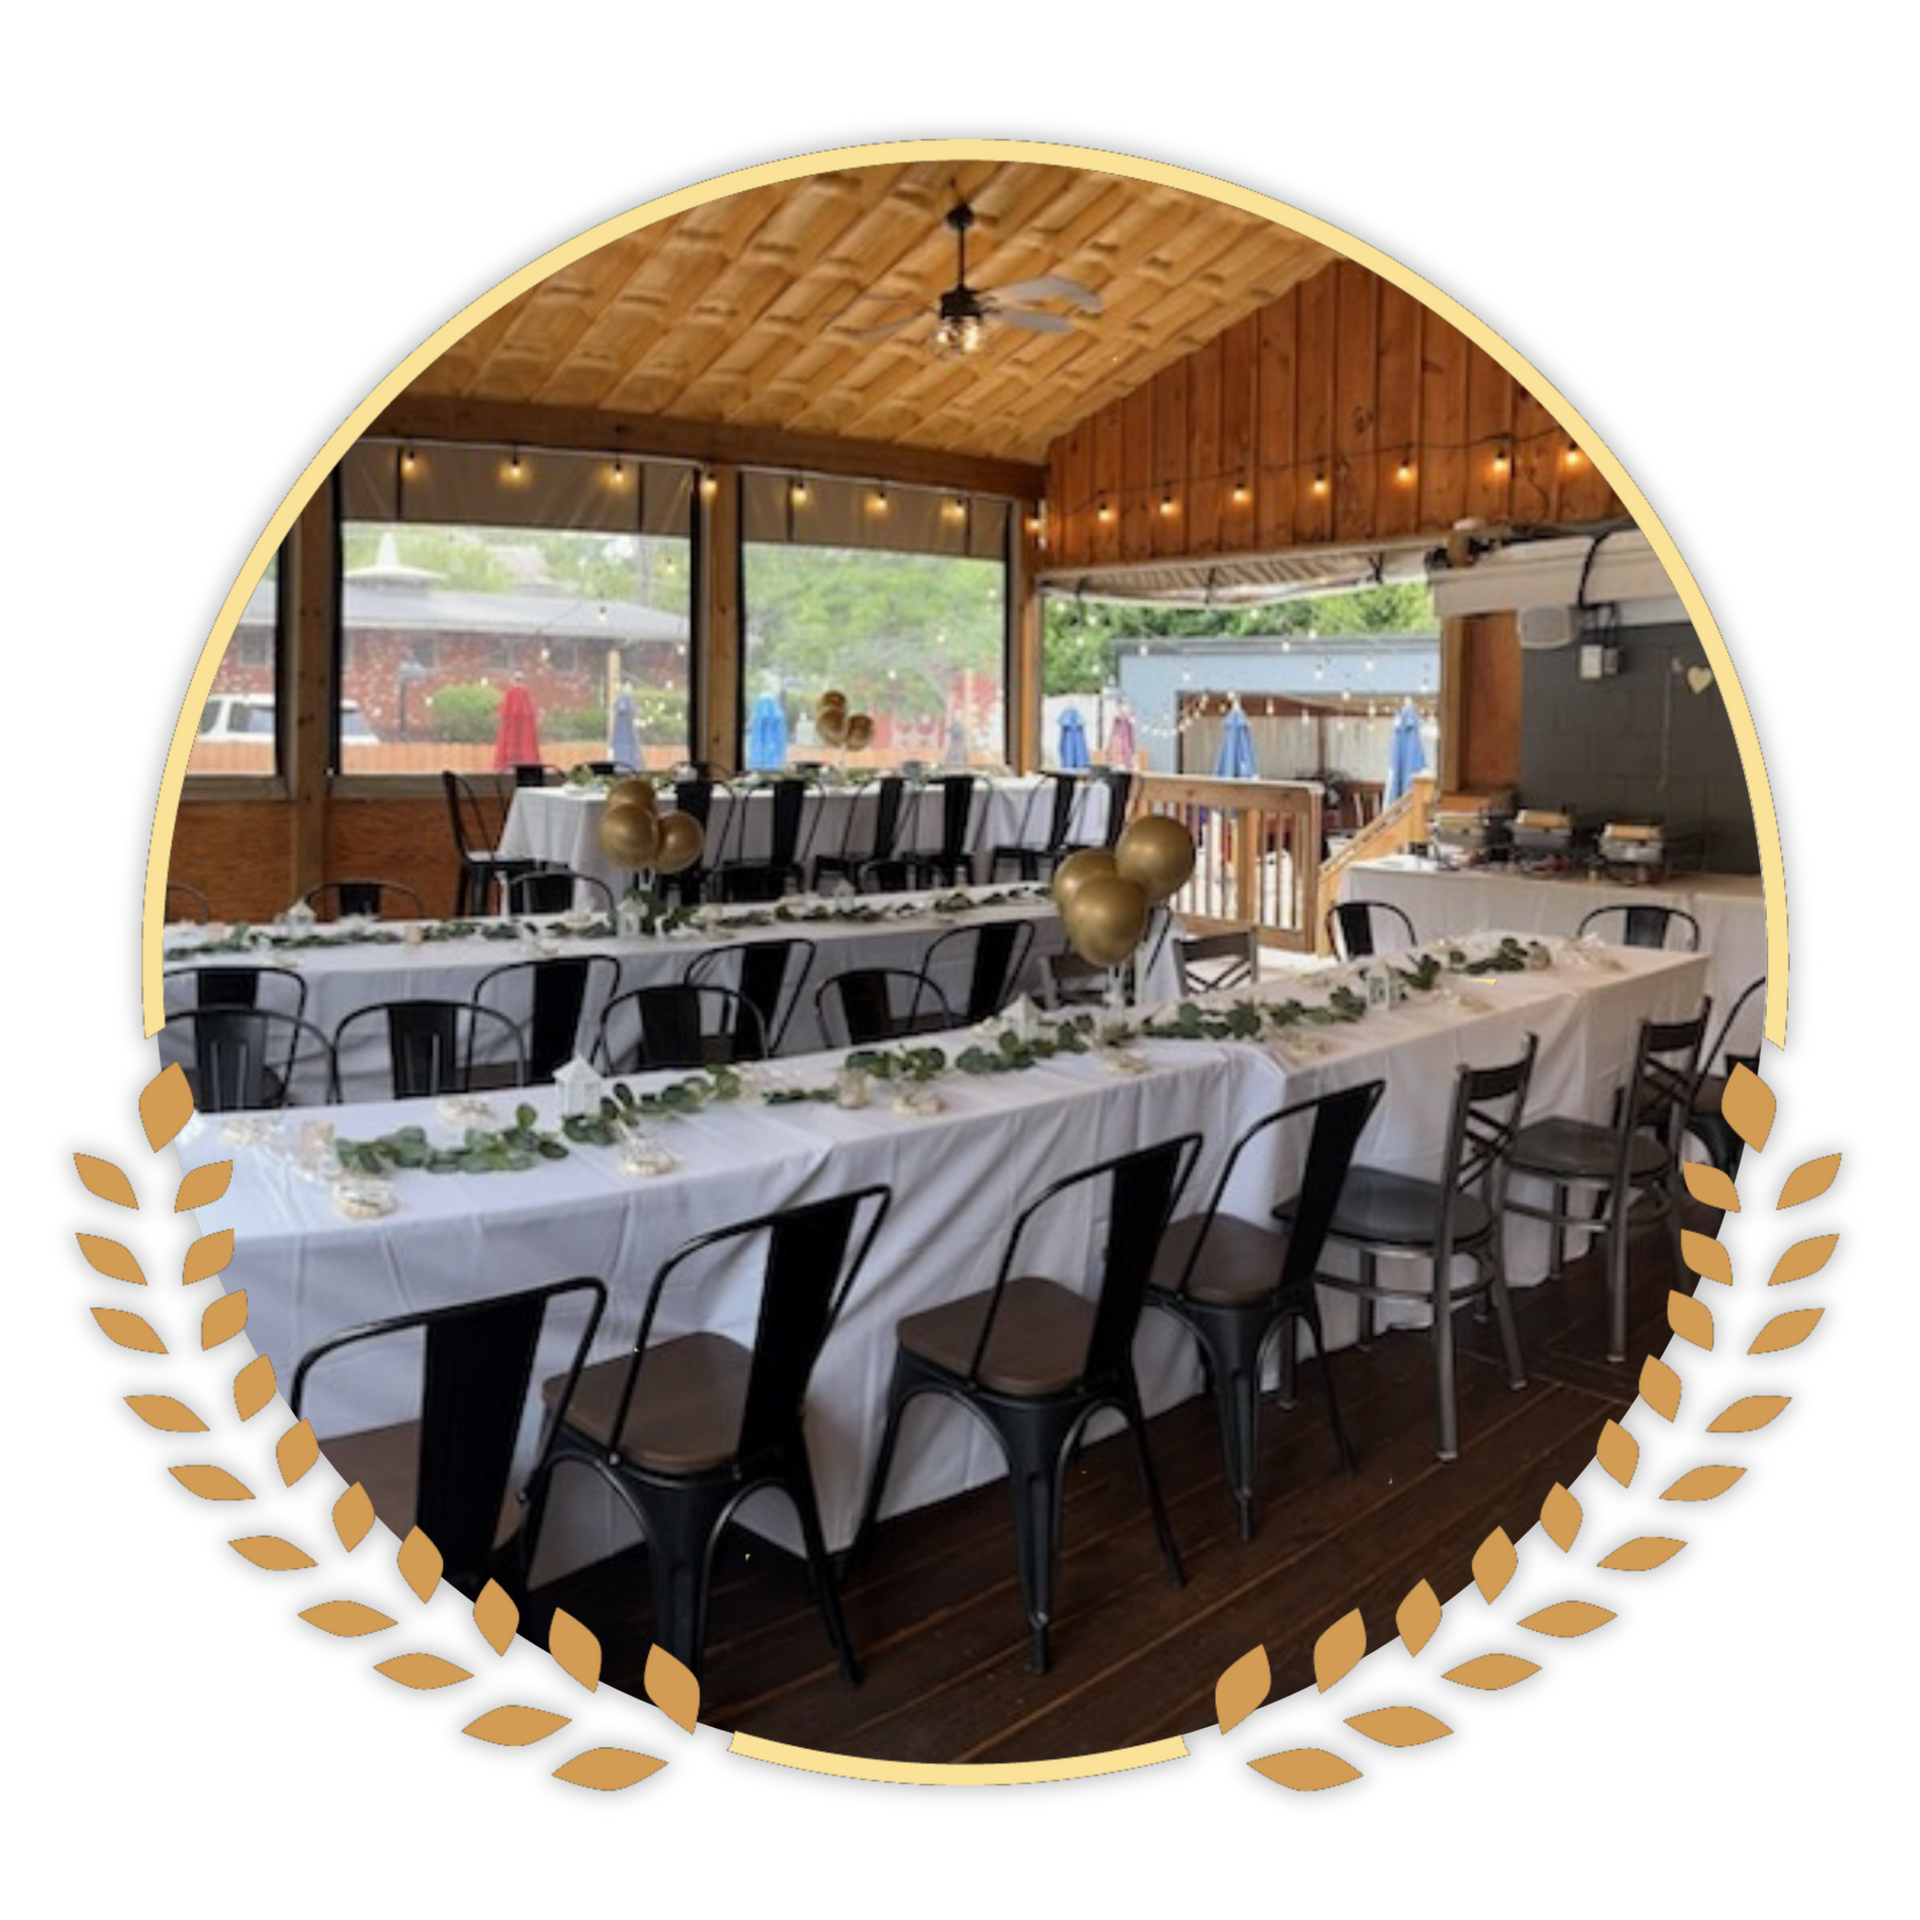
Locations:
(1639, 744)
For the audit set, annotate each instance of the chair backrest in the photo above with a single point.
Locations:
(535, 773)
(240, 1058)
(1353, 927)
(555, 995)
(366, 900)
(996, 952)
(958, 794)
(1669, 1060)
(1048, 813)
(1072, 981)
(1212, 962)
(558, 890)
(478, 1368)
(1489, 1104)
(437, 1046)
(1646, 926)
(185, 901)
(903, 874)
(769, 974)
(876, 1004)
(1718, 1059)
(889, 801)
(473, 832)
(679, 1026)
(1119, 785)
(275, 989)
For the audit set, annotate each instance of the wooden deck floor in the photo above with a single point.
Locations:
(935, 1612)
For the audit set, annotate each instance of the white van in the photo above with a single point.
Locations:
(249, 716)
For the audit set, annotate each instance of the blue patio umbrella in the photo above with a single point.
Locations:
(1406, 756)
(1073, 739)
(624, 748)
(1235, 759)
(766, 736)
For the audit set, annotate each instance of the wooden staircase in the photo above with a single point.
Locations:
(1393, 830)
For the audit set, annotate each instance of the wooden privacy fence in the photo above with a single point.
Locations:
(1258, 844)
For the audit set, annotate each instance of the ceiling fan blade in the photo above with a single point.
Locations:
(881, 332)
(1051, 286)
(1033, 322)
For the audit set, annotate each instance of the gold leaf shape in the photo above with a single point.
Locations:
(1567, 1619)
(1618, 1452)
(496, 1616)
(1803, 1258)
(353, 1516)
(1748, 1106)
(1642, 1555)
(1241, 1688)
(1305, 1769)
(420, 1564)
(111, 1258)
(1703, 1483)
(574, 1648)
(1560, 1516)
(608, 1769)
(157, 1410)
(1750, 1414)
(1808, 1181)
(221, 1321)
(1691, 1319)
(208, 1255)
(203, 1186)
(347, 1618)
(166, 1105)
(1705, 1256)
(296, 1450)
(1710, 1186)
(672, 1688)
(1493, 1563)
(253, 1386)
(1400, 1726)
(516, 1726)
(1418, 1615)
(1335, 1652)
(128, 1330)
(1660, 1386)
(1492, 1671)
(105, 1181)
(423, 1671)
(276, 1556)
(211, 1483)
(1782, 1331)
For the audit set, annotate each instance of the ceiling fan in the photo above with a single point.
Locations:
(963, 314)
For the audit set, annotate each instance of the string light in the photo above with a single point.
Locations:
(1405, 475)
(618, 476)
(408, 462)
(1240, 494)
(1319, 479)
(513, 465)
(1167, 506)
(879, 503)
(1571, 458)
(1500, 458)
(797, 493)
(1103, 512)
(956, 508)
(709, 483)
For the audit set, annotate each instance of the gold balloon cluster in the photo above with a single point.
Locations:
(633, 833)
(839, 728)
(1105, 898)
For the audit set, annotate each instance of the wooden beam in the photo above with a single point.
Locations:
(1026, 661)
(308, 704)
(715, 729)
(512, 423)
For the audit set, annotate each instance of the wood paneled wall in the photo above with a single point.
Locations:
(1342, 412)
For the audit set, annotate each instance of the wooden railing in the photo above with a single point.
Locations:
(1393, 830)
(1258, 844)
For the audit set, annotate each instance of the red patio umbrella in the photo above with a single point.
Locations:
(517, 744)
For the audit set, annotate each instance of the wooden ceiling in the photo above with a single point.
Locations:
(739, 312)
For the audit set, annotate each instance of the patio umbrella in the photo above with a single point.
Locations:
(1235, 759)
(1121, 745)
(517, 743)
(1405, 755)
(624, 748)
(1073, 739)
(766, 736)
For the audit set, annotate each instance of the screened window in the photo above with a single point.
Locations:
(238, 727)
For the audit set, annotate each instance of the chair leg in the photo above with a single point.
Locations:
(1503, 1313)
(1323, 1363)
(1035, 1439)
(1150, 1485)
(799, 1478)
(1557, 1259)
(1369, 1279)
(1284, 1361)
(1446, 1412)
(1618, 1202)
(680, 1534)
(899, 1394)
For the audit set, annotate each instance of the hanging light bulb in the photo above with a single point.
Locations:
(1240, 493)
(1571, 458)
(1405, 474)
(408, 463)
(617, 475)
(879, 503)
(709, 483)
(1103, 512)
(1320, 479)
(798, 492)
(1500, 458)
(1167, 507)
(514, 472)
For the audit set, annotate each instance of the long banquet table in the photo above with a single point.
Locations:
(958, 1177)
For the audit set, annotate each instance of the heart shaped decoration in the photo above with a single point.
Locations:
(1699, 679)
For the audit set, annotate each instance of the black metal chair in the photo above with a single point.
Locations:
(450, 1471)
(1045, 822)
(1215, 962)
(790, 829)
(555, 890)
(365, 900)
(1034, 1361)
(437, 1046)
(548, 1001)
(683, 1431)
(1637, 1155)
(185, 901)
(474, 841)
(1234, 1284)
(889, 798)
(879, 1004)
(1070, 981)
(277, 989)
(1645, 926)
(994, 954)
(1385, 1215)
(679, 1026)
(1353, 927)
(239, 1059)
(535, 773)
(963, 799)
(1118, 786)
(769, 974)
(902, 874)
(1707, 1123)
(695, 797)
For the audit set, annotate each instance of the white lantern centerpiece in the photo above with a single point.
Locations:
(580, 1089)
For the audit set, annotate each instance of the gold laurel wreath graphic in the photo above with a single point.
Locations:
(166, 1104)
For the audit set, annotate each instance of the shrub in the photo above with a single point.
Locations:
(466, 711)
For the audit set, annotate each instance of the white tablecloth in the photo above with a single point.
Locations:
(958, 1179)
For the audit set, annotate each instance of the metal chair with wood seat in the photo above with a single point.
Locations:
(993, 955)
(683, 1431)
(1215, 962)
(1117, 784)
(963, 800)
(435, 1046)
(475, 838)
(695, 798)
(365, 900)
(1354, 927)
(1035, 1361)
(552, 1002)
(903, 873)
(537, 773)
(1235, 1284)
(793, 816)
(240, 1059)
(770, 974)
(1635, 925)
(557, 890)
(185, 901)
(1045, 822)
(1707, 1122)
(889, 794)
(874, 1005)
(1637, 1156)
(678, 1026)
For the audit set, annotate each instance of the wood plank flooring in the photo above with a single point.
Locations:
(935, 1611)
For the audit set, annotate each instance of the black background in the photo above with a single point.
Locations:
(181, 1694)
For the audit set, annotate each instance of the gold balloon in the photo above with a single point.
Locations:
(1156, 852)
(860, 731)
(1073, 873)
(1105, 920)
(832, 701)
(833, 726)
(632, 792)
(629, 835)
(682, 841)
